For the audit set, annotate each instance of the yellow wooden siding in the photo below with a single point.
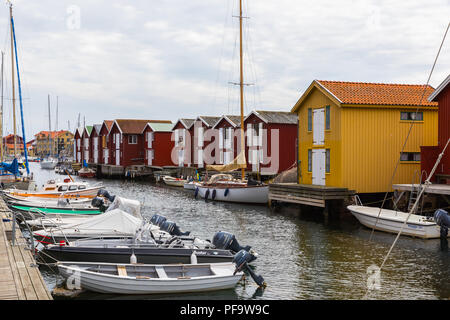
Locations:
(317, 100)
(372, 139)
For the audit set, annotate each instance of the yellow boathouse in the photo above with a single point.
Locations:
(351, 134)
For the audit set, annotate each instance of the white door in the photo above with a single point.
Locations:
(117, 157)
(105, 152)
(96, 150)
(318, 166)
(319, 126)
(78, 156)
(150, 157)
(181, 157)
(200, 158)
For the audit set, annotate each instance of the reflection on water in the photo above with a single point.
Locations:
(302, 257)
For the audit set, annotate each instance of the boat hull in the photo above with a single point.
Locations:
(392, 221)
(48, 164)
(253, 194)
(85, 193)
(107, 283)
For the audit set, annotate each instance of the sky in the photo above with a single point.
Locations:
(172, 59)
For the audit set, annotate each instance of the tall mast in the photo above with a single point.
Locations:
(12, 80)
(1, 117)
(49, 128)
(241, 85)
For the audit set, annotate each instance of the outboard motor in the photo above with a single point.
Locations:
(241, 260)
(227, 241)
(104, 193)
(99, 202)
(443, 220)
(157, 220)
(173, 229)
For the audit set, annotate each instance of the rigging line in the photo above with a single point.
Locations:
(410, 129)
(249, 46)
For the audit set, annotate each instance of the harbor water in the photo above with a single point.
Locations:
(301, 255)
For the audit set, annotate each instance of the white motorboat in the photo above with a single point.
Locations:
(150, 279)
(191, 185)
(222, 187)
(174, 182)
(49, 163)
(392, 221)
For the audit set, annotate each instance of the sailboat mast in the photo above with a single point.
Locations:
(12, 80)
(49, 129)
(241, 84)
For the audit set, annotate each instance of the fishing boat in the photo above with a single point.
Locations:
(174, 182)
(56, 190)
(392, 221)
(150, 278)
(242, 191)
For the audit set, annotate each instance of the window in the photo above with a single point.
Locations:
(225, 133)
(309, 119)
(410, 156)
(327, 161)
(132, 139)
(62, 188)
(411, 116)
(82, 187)
(71, 188)
(309, 160)
(327, 118)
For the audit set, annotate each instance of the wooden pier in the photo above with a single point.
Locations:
(312, 195)
(20, 278)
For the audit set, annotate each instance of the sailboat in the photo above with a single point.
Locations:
(223, 187)
(10, 173)
(49, 162)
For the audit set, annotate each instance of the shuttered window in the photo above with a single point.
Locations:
(327, 161)
(309, 160)
(309, 119)
(327, 118)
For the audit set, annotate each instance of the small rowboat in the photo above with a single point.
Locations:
(150, 279)
(174, 182)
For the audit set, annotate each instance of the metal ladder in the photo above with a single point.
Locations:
(414, 193)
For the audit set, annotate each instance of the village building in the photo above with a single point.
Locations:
(202, 137)
(127, 141)
(53, 143)
(85, 144)
(104, 138)
(95, 144)
(351, 134)
(77, 145)
(158, 144)
(229, 127)
(183, 141)
(429, 154)
(271, 139)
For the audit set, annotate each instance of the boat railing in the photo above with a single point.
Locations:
(357, 200)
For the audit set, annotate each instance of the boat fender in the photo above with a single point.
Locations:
(196, 193)
(206, 194)
(226, 192)
(213, 196)
(241, 260)
(133, 259)
(193, 258)
(157, 220)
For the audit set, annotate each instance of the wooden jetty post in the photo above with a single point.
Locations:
(20, 278)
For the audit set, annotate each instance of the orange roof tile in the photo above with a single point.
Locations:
(379, 93)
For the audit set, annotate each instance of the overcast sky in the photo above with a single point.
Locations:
(169, 59)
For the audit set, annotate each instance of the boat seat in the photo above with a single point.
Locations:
(122, 271)
(161, 273)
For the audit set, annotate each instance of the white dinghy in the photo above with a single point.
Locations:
(392, 221)
(151, 279)
(174, 182)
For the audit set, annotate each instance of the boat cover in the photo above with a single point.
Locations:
(133, 207)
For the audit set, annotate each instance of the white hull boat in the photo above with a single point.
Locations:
(230, 192)
(190, 185)
(151, 279)
(49, 164)
(392, 221)
(174, 182)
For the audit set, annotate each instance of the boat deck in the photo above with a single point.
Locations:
(20, 279)
(313, 195)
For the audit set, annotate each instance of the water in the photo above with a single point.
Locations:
(306, 257)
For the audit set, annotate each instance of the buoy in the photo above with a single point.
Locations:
(193, 258)
(226, 192)
(213, 196)
(133, 259)
(206, 194)
(196, 193)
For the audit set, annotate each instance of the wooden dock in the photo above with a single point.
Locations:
(312, 195)
(20, 278)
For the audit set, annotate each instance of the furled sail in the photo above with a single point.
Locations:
(238, 163)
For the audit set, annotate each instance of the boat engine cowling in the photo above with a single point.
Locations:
(442, 218)
(241, 260)
(99, 202)
(104, 193)
(227, 241)
(172, 228)
(157, 220)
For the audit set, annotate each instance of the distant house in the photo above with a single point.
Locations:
(126, 139)
(95, 144)
(77, 144)
(104, 138)
(271, 138)
(229, 127)
(200, 140)
(429, 154)
(183, 141)
(85, 145)
(158, 144)
(351, 133)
